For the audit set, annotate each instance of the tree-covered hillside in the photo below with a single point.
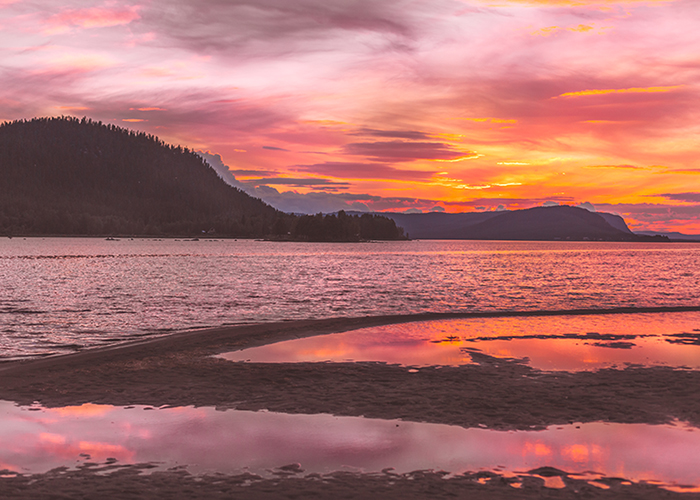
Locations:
(67, 176)
(71, 176)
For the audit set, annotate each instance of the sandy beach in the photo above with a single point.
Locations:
(179, 370)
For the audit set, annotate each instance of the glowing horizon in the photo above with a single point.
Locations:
(455, 105)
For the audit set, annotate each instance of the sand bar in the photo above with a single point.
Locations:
(494, 393)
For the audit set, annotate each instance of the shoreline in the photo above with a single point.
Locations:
(180, 369)
(245, 335)
(494, 393)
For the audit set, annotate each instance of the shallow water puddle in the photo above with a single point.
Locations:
(37, 439)
(570, 343)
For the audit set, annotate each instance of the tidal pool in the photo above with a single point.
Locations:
(37, 439)
(568, 343)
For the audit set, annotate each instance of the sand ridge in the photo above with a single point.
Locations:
(179, 370)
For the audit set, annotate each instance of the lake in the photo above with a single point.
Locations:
(65, 294)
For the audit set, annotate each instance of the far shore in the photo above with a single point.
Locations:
(194, 237)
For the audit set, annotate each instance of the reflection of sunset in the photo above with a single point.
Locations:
(569, 343)
(583, 453)
(208, 440)
(328, 352)
(46, 437)
(101, 451)
(10, 467)
(538, 449)
(85, 410)
(61, 447)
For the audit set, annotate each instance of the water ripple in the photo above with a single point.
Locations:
(79, 291)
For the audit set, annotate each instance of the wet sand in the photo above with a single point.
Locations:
(499, 394)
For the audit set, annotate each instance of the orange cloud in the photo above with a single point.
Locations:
(473, 156)
(632, 90)
(581, 28)
(546, 31)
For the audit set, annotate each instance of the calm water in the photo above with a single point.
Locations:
(60, 294)
(568, 343)
(37, 439)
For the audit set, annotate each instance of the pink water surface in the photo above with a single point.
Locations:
(38, 439)
(570, 343)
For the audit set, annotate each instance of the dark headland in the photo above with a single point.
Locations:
(68, 176)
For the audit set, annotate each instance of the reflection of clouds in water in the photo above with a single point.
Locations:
(204, 439)
(546, 343)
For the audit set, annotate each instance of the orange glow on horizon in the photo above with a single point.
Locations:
(632, 90)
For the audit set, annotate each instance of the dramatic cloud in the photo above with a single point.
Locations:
(253, 173)
(305, 182)
(350, 170)
(688, 197)
(315, 202)
(637, 90)
(215, 162)
(417, 104)
(398, 134)
(407, 151)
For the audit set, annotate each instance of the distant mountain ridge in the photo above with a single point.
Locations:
(672, 235)
(540, 223)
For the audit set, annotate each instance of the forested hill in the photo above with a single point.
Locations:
(70, 176)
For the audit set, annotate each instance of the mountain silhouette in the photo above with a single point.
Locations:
(70, 176)
(560, 222)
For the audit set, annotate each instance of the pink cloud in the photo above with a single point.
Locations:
(92, 17)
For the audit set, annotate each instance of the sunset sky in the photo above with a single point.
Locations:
(454, 105)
